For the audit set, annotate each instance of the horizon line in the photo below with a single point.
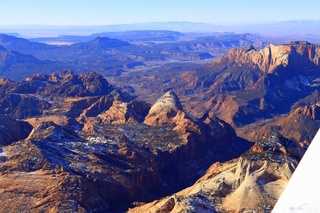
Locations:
(161, 22)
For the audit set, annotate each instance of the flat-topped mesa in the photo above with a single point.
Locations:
(272, 56)
(164, 110)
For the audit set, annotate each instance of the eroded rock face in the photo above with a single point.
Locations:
(98, 173)
(12, 130)
(114, 159)
(68, 84)
(164, 110)
(273, 56)
(168, 111)
(312, 111)
(52, 132)
(300, 125)
(47, 95)
(258, 81)
(252, 182)
(64, 172)
(248, 85)
(124, 112)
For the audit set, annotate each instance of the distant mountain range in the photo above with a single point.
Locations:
(159, 110)
(246, 86)
(123, 52)
(294, 28)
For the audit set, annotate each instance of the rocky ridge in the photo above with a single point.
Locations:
(253, 182)
(107, 149)
(246, 86)
(299, 125)
(92, 148)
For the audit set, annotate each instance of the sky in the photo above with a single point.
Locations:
(109, 12)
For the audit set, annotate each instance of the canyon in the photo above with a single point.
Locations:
(206, 128)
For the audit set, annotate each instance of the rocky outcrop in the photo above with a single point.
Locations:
(22, 106)
(115, 108)
(66, 83)
(49, 131)
(273, 56)
(44, 95)
(253, 182)
(56, 170)
(300, 125)
(118, 113)
(247, 85)
(124, 112)
(164, 110)
(87, 84)
(113, 159)
(168, 111)
(105, 171)
(312, 111)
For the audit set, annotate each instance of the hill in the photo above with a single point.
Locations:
(93, 148)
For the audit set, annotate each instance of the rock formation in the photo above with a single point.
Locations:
(312, 111)
(113, 158)
(252, 182)
(300, 125)
(164, 110)
(247, 85)
(94, 148)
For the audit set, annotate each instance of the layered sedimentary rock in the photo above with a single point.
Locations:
(247, 85)
(252, 182)
(164, 110)
(90, 151)
(301, 124)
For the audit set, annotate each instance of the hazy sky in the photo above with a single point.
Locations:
(106, 12)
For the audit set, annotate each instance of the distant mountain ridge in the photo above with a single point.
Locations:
(246, 85)
(45, 51)
(258, 81)
(292, 29)
(113, 57)
(14, 64)
(77, 141)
